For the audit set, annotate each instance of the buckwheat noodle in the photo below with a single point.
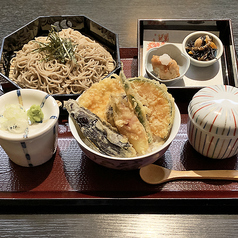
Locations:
(93, 62)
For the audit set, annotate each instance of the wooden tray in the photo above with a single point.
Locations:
(70, 182)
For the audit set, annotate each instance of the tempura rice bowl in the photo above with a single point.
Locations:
(127, 163)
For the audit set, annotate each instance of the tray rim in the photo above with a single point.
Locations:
(119, 206)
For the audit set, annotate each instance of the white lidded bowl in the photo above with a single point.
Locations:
(38, 144)
(213, 121)
(175, 53)
(127, 163)
(192, 37)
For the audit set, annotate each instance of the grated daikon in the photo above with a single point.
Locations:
(165, 59)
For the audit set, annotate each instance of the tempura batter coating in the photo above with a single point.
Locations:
(127, 123)
(96, 98)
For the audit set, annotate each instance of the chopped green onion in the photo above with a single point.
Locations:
(61, 49)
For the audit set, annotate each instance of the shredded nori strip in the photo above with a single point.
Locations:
(61, 49)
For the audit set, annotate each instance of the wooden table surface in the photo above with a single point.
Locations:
(120, 17)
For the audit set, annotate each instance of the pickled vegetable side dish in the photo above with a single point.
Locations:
(202, 49)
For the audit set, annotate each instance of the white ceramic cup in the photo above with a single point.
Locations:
(39, 144)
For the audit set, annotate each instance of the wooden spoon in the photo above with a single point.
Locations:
(155, 174)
